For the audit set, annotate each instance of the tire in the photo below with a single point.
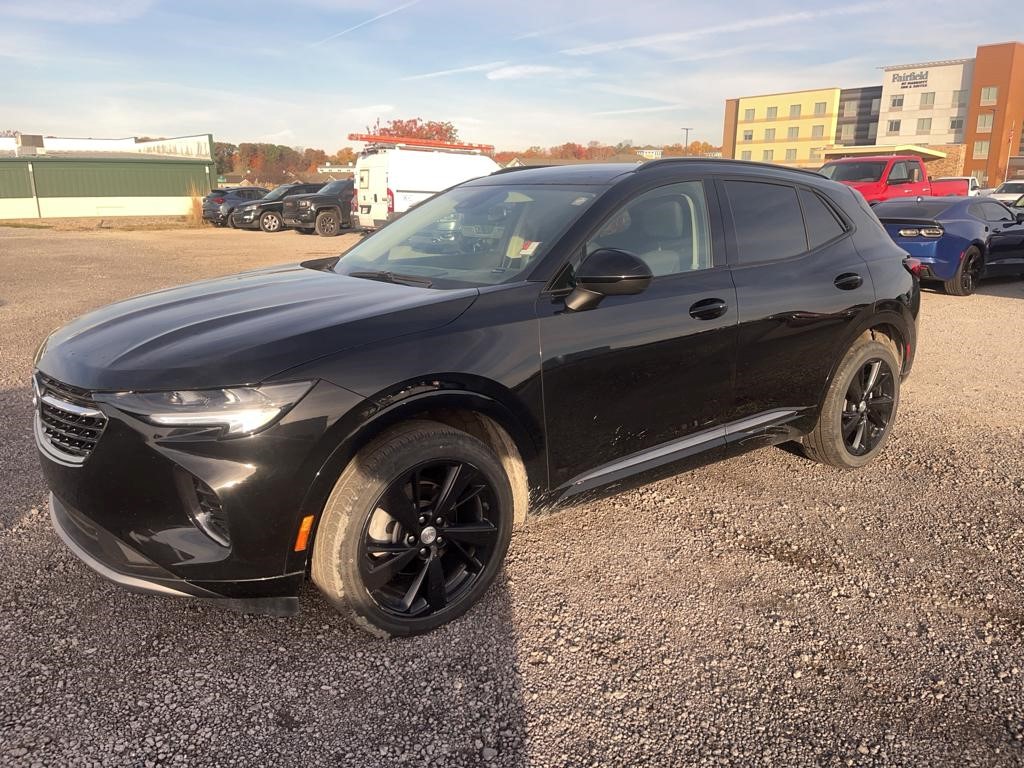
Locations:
(327, 224)
(966, 278)
(228, 221)
(271, 222)
(853, 426)
(420, 582)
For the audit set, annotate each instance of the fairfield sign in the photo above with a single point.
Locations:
(918, 79)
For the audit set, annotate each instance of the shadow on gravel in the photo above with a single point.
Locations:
(1002, 287)
(94, 674)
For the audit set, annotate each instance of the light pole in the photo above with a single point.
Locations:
(686, 141)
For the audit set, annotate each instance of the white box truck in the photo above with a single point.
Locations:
(393, 174)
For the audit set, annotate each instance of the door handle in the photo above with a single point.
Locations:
(708, 309)
(848, 281)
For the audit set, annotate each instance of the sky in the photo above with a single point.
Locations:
(307, 73)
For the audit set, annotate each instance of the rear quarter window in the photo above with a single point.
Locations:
(822, 224)
(767, 221)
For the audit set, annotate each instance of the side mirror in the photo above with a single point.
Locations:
(1020, 217)
(608, 272)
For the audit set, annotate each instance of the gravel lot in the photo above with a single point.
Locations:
(761, 611)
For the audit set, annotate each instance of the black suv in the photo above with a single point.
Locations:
(265, 213)
(218, 205)
(379, 420)
(327, 212)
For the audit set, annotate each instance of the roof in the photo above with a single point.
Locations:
(941, 63)
(883, 152)
(118, 157)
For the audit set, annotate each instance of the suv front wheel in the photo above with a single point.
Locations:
(415, 529)
(857, 414)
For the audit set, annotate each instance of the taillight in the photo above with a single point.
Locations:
(391, 201)
(914, 266)
(922, 232)
(218, 200)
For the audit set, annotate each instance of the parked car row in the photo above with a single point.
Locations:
(305, 207)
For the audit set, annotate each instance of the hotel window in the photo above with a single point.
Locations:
(794, 110)
(847, 132)
(980, 150)
(793, 133)
(817, 131)
(896, 102)
(820, 107)
(745, 154)
(815, 154)
(748, 135)
(748, 114)
(769, 134)
(768, 155)
(989, 94)
(982, 176)
(924, 126)
(773, 113)
(848, 109)
(928, 100)
(876, 106)
(985, 123)
(959, 98)
(893, 127)
(790, 155)
(956, 124)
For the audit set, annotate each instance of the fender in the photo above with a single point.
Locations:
(395, 405)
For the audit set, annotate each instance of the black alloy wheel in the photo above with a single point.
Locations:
(429, 538)
(870, 398)
(965, 281)
(327, 224)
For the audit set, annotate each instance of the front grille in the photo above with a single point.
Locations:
(68, 425)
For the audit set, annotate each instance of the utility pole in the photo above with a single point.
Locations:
(686, 141)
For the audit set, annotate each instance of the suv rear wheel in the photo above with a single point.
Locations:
(415, 530)
(327, 224)
(860, 406)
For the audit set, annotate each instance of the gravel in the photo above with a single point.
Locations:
(764, 610)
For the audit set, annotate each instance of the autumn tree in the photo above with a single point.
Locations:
(224, 156)
(416, 128)
(344, 156)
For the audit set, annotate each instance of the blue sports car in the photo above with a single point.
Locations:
(958, 240)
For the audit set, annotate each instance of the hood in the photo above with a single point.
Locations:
(241, 329)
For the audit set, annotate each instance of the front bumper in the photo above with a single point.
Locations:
(239, 220)
(133, 507)
(301, 218)
(115, 561)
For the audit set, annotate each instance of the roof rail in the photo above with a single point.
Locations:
(518, 168)
(673, 160)
(411, 141)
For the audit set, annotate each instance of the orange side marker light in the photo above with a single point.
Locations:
(302, 540)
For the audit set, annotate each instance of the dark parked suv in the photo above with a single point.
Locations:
(325, 212)
(265, 213)
(379, 420)
(218, 205)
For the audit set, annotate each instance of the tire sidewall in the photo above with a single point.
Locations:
(321, 217)
(835, 401)
(338, 546)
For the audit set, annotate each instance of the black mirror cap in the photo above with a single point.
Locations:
(1020, 217)
(612, 272)
(608, 272)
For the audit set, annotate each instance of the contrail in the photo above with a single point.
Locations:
(364, 23)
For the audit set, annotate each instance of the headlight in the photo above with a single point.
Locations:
(237, 411)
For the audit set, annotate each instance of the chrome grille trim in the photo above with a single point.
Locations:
(65, 431)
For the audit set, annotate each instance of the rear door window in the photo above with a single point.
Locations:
(766, 220)
(822, 224)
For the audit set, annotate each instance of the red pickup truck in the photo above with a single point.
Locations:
(890, 177)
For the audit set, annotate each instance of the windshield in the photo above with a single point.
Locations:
(1011, 188)
(336, 187)
(476, 235)
(859, 171)
(277, 192)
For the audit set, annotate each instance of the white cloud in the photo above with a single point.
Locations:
(74, 12)
(521, 71)
(639, 110)
(742, 25)
(457, 71)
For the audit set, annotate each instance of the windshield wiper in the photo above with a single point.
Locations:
(392, 277)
